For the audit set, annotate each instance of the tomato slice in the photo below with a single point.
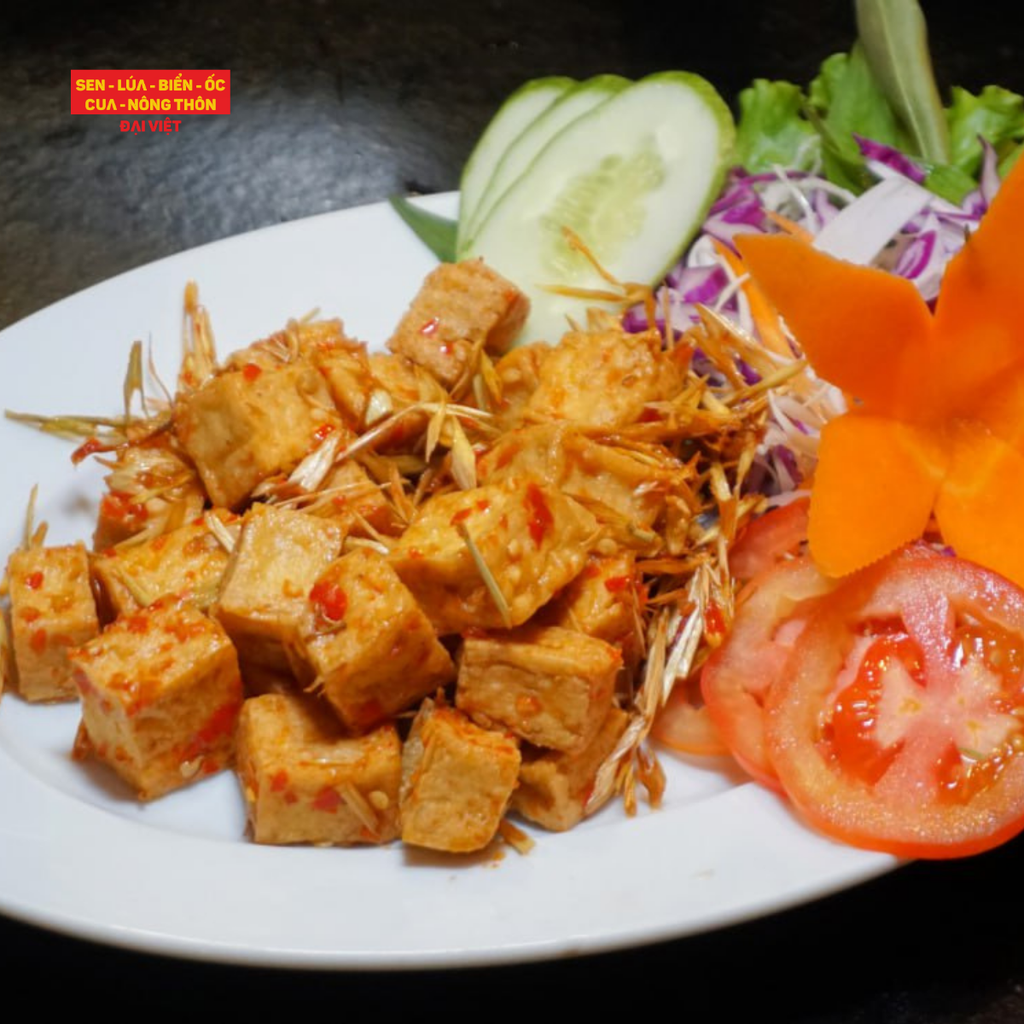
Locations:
(898, 724)
(780, 532)
(770, 613)
(684, 724)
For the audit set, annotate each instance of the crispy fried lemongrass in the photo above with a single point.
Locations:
(227, 536)
(624, 294)
(500, 601)
(199, 352)
(515, 837)
(29, 531)
(133, 382)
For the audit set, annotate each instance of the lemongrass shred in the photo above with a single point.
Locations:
(515, 837)
(500, 601)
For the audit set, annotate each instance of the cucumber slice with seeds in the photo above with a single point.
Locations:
(573, 103)
(515, 114)
(633, 178)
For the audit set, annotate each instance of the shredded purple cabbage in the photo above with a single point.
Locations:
(919, 251)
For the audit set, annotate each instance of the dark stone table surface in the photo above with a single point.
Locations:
(335, 104)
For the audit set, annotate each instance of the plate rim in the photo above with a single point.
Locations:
(854, 867)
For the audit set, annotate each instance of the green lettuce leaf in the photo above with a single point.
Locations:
(846, 99)
(771, 128)
(996, 114)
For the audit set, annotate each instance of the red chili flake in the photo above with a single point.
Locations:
(506, 455)
(137, 623)
(251, 371)
(322, 431)
(431, 326)
(34, 580)
(38, 641)
(528, 705)
(541, 519)
(183, 631)
(649, 416)
(482, 505)
(87, 448)
(714, 624)
(290, 797)
(29, 614)
(329, 600)
(327, 800)
(220, 724)
(279, 781)
(461, 516)
(616, 584)
(118, 505)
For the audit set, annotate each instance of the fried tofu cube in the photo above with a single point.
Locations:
(457, 779)
(626, 490)
(355, 502)
(555, 788)
(276, 560)
(345, 367)
(401, 383)
(305, 781)
(365, 644)
(532, 539)
(188, 562)
(52, 611)
(518, 373)
(552, 687)
(461, 308)
(603, 602)
(161, 692)
(603, 378)
(246, 425)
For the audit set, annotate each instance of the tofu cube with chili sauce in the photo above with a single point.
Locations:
(555, 788)
(161, 693)
(603, 377)
(552, 687)
(365, 644)
(345, 368)
(52, 611)
(532, 539)
(518, 375)
(461, 309)
(187, 562)
(306, 781)
(248, 424)
(625, 489)
(604, 601)
(457, 779)
(400, 384)
(353, 500)
(276, 560)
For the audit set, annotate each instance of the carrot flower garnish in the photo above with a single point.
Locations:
(937, 422)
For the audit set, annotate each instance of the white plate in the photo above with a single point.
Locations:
(176, 876)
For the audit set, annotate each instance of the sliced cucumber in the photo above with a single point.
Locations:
(519, 154)
(633, 178)
(513, 116)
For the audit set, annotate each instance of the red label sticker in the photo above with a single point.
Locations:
(145, 94)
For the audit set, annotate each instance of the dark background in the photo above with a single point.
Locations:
(335, 104)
